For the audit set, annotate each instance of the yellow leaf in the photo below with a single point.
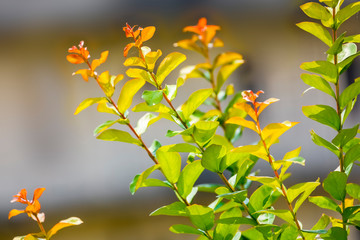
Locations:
(15, 212)
(246, 108)
(242, 122)
(87, 103)
(73, 221)
(256, 150)
(266, 103)
(273, 131)
(104, 108)
(127, 93)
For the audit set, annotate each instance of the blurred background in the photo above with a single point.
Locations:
(44, 145)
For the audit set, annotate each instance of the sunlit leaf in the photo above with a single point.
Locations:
(127, 93)
(88, 102)
(337, 233)
(174, 209)
(345, 135)
(263, 197)
(204, 131)
(346, 12)
(352, 155)
(318, 83)
(102, 127)
(310, 187)
(188, 177)
(317, 11)
(74, 58)
(325, 202)
(168, 64)
(134, 62)
(326, 69)
(147, 33)
(73, 221)
(170, 163)
(317, 30)
(152, 97)
(85, 73)
(323, 114)
(272, 182)
(144, 122)
(353, 190)
(212, 157)
(273, 131)
(224, 73)
(324, 143)
(151, 59)
(194, 101)
(336, 47)
(202, 217)
(143, 107)
(97, 62)
(184, 229)
(118, 135)
(349, 94)
(283, 214)
(318, 228)
(244, 123)
(140, 74)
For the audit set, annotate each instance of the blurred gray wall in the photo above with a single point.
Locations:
(44, 145)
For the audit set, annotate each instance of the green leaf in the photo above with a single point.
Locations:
(72, 221)
(237, 220)
(335, 185)
(348, 110)
(297, 189)
(171, 91)
(345, 135)
(353, 190)
(331, 3)
(184, 229)
(350, 212)
(318, 83)
(317, 11)
(143, 107)
(224, 73)
(318, 228)
(335, 233)
(272, 182)
(310, 187)
(346, 12)
(323, 114)
(262, 198)
(168, 64)
(212, 157)
(352, 155)
(88, 102)
(144, 122)
(134, 62)
(336, 47)
(325, 202)
(194, 101)
(283, 214)
(170, 163)
(174, 209)
(204, 131)
(326, 69)
(227, 231)
(181, 147)
(202, 217)
(348, 49)
(226, 58)
(152, 97)
(237, 196)
(102, 127)
(345, 64)
(118, 135)
(139, 179)
(289, 233)
(127, 93)
(352, 39)
(317, 30)
(188, 177)
(324, 143)
(349, 94)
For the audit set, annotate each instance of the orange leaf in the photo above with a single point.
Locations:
(247, 108)
(96, 62)
(37, 193)
(74, 59)
(85, 73)
(15, 212)
(266, 103)
(147, 33)
(242, 122)
(127, 48)
(73, 221)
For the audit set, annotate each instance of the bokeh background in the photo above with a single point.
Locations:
(44, 145)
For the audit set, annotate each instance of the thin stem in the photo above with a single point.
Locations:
(40, 226)
(283, 188)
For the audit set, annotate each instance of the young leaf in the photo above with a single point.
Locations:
(188, 177)
(143, 107)
(345, 135)
(227, 231)
(174, 209)
(194, 101)
(140, 74)
(244, 123)
(345, 64)
(326, 69)
(185, 229)
(88, 102)
(127, 93)
(151, 59)
(262, 198)
(147, 33)
(335, 185)
(108, 124)
(224, 73)
(336, 47)
(283, 214)
(171, 91)
(318, 228)
(349, 94)
(295, 190)
(238, 196)
(170, 163)
(226, 58)
(272, 182)
(325, 202)
(310, 187)
(134, 62)
(118, 135)
(168, 64)
(317, 30)
(323, 114)
(204, 131)
(273, 131)
(202, 217)
(152, 97)
(73, 221)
